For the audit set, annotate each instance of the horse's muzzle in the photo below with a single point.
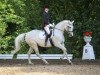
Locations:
(70, 34)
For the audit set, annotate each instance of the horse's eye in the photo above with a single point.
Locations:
(69, 27)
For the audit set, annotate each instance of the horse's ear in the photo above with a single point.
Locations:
(73, 21)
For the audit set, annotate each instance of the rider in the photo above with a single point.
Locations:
(46, 22)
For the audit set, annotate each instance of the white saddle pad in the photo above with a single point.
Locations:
(42, 35)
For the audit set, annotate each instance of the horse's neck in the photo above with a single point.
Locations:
(60, 26)
(59, 34)
(58, 31)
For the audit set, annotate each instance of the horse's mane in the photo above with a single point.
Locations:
(61, 23)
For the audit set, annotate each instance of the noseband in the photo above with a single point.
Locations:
(69, 31)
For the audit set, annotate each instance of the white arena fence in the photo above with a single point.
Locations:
(34, 56)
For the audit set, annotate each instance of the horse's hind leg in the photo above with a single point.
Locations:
(29, 54)
(15, 51)
(35, 47)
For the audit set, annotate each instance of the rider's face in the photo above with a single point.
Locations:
(46, 10)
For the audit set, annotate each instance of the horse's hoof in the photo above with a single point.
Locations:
(70, 63)
(47, 63)
(61, 58)
(30, 63)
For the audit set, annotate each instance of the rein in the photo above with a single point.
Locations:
(59, 29)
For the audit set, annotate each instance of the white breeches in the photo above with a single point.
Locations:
(47, 29)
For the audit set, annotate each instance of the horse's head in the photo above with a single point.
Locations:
(65, 25)
(69, 28)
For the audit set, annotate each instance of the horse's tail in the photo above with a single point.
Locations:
(18, 40)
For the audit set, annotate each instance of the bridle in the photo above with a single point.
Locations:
(59, 30)
(69, 31)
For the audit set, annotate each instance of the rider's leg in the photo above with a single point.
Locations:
(46, 28)
(46, 39)
(47, 36)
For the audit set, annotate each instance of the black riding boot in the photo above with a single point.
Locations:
(46, 39)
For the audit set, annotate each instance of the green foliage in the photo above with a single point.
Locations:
(2, 28)
(7, 14)
(19, 16)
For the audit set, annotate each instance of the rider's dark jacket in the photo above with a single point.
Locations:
(46, 19)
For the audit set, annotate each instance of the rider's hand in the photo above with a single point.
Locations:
(51, 25)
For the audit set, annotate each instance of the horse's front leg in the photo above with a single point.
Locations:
(59, 45)
(64, 52)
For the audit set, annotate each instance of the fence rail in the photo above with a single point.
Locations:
(34, 56)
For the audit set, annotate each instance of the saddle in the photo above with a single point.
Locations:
(43, 34)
